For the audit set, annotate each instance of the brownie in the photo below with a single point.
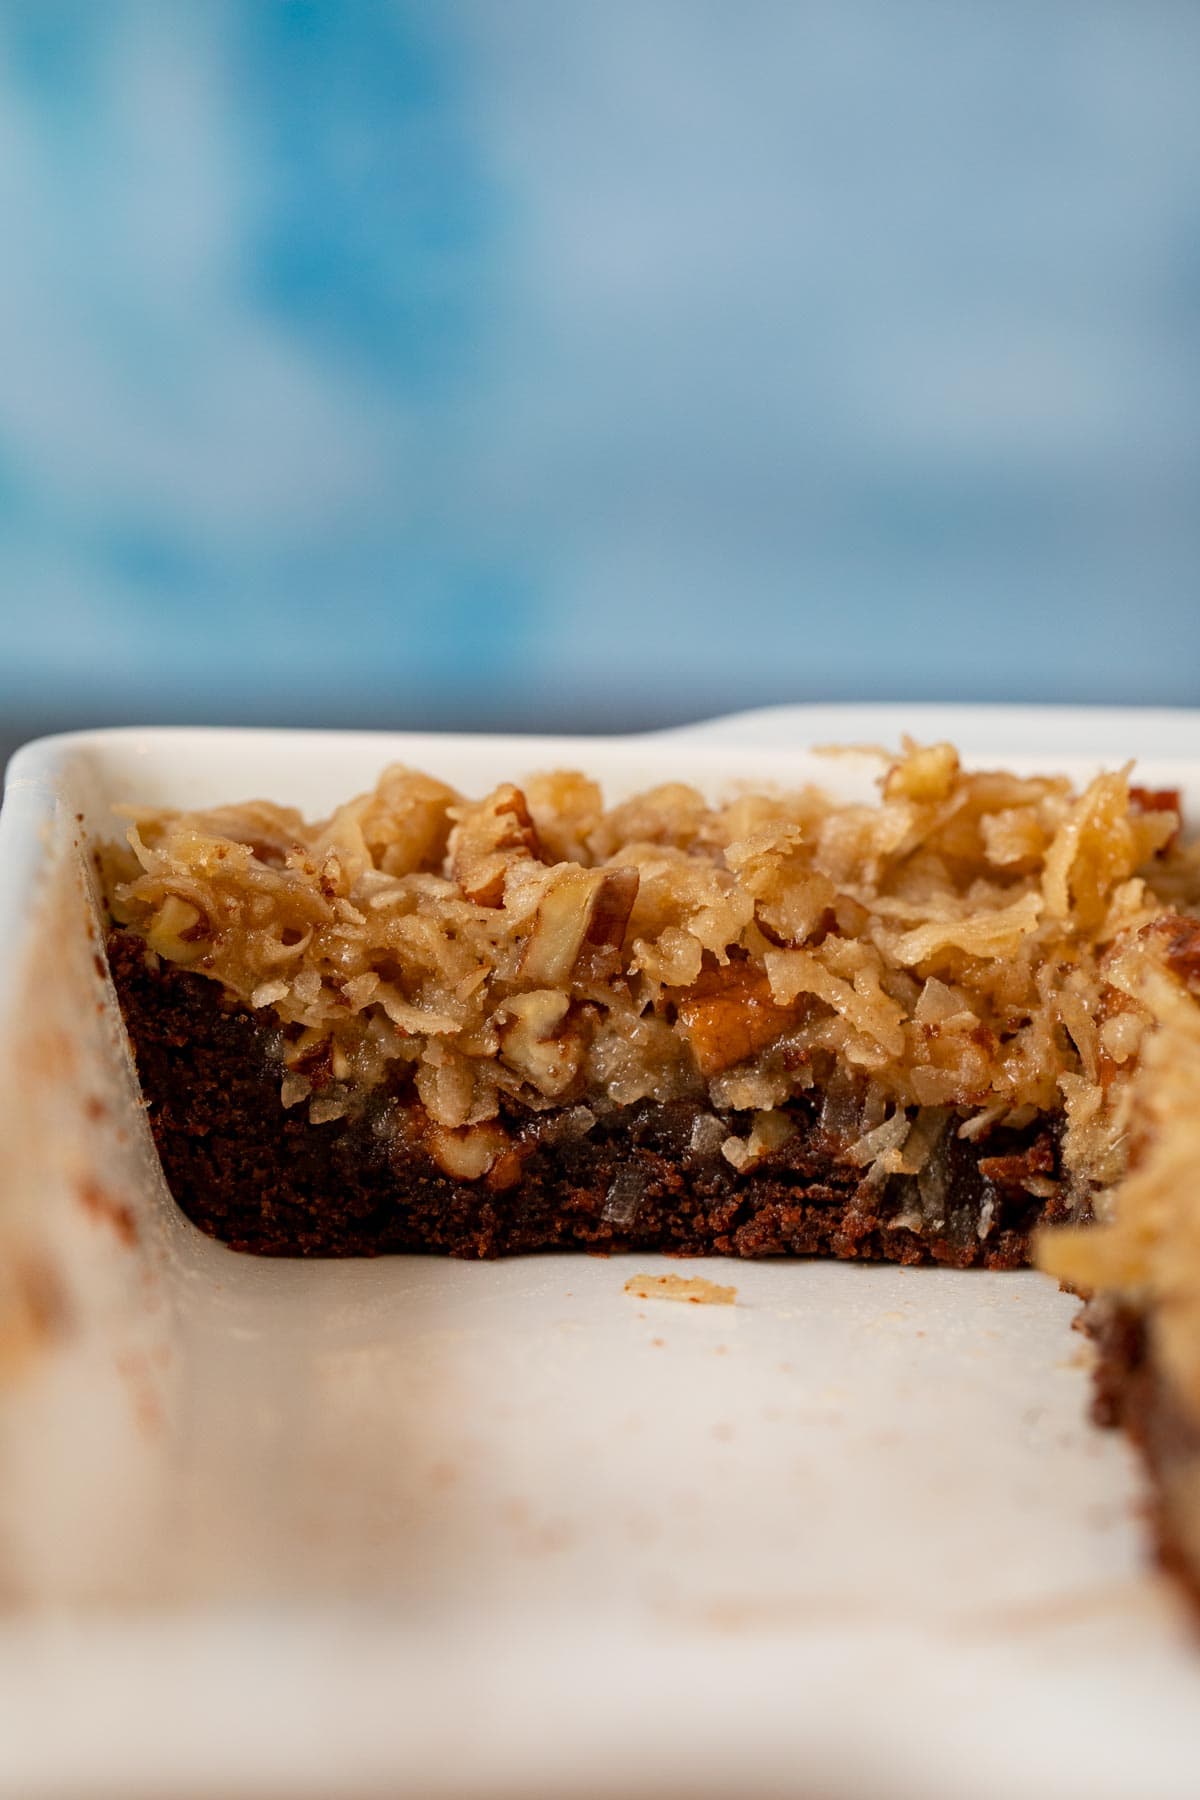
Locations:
(265, 1179)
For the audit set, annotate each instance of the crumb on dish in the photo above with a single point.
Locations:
(697, 1290)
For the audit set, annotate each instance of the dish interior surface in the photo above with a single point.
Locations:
(643, 1510)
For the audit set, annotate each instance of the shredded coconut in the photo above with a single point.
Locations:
(1147, 1247)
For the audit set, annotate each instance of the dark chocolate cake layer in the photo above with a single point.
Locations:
(265, 1179)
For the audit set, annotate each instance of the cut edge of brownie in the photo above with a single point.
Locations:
(648, 1176)
(1132, 1392)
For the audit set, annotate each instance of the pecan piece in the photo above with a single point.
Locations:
(537, 1041)
(487, 839)
(581, 908)
(1146, 800)
(729, 1014)
(1015, 1170)
(1179, 937)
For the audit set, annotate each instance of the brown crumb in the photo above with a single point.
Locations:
(696, 1289)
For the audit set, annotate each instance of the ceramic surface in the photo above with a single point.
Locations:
(414, 1527)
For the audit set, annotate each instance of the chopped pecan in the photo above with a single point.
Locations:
(1015, 1170)
(468, 1153)
(487, 839)
(176, 929)
(537, 1040)
(316, 1063)
(728, 1014)
(1144, 799)
(580, 908)
(1179, 936)
(611, 907)
(1154, 799)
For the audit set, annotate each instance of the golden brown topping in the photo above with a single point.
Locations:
(399, 828)
(927, 774)
(963, 954)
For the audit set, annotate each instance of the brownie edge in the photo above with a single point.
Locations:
(1132, 1391)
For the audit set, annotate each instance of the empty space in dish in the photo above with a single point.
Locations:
(849, 1460)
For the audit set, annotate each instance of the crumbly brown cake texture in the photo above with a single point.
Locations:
(960, 1024)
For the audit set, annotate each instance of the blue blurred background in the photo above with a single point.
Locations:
(539, 364)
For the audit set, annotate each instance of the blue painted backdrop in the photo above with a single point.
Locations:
(543, 361)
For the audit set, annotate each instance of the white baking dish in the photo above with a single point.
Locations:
(415, 1527)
